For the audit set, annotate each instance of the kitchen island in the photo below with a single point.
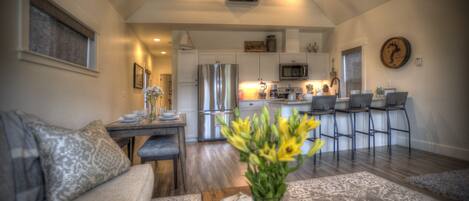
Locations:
(343, 121)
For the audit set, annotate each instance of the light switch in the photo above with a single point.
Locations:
(419, 61)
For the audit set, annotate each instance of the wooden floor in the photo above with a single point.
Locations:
(215, 165)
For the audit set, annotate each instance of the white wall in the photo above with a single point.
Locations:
(438, 31)
(67, 98)
(234, 40)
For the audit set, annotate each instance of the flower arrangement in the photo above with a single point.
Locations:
(152, 94)
(270, 148)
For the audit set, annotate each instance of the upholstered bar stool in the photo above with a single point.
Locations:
(163, 148)
(358, 103)
(395, 101)
(321, 106)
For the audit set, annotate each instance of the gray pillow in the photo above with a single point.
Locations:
(77, 161)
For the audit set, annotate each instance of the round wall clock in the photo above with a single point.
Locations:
(395, 52)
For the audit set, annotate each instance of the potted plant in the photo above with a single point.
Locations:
(271, 150)
(309, 92)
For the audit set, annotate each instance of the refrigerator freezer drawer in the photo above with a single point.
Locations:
(209, 129)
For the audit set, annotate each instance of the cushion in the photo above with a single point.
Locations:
(159, 146)
(77, 161)
(134, 185)
(23, 163)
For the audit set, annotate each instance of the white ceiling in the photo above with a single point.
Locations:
(334, 11)
(339, 11)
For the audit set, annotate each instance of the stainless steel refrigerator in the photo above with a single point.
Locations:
(218, 96)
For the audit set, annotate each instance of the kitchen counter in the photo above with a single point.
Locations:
(308, 102)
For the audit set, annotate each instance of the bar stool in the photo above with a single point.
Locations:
(359, 103)
(320, 106)
(163, 148)
(395, 101)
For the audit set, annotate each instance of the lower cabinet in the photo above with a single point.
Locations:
(249, 108)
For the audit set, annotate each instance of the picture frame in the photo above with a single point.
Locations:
(139, 72)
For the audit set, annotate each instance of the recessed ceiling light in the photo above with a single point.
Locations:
(156, 40)
(163, 52)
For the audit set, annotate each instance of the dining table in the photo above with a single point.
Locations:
(147, 127)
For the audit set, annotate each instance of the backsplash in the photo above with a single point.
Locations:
(250, 90)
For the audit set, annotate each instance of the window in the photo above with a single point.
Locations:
(352, 69)
(54, 33)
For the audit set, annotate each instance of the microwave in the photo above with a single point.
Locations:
(293, 71)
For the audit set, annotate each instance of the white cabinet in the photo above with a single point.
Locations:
(248, 64)
(292, 58)
(268, 66)
(318, 66)
(249, 108)
(187, 103)
(186, 90)
(213, 57)
(186, 70)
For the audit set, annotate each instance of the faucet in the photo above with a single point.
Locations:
(334, 80)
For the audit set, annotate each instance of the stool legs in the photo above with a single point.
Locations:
(175, 171)
(371, 128)
(408, 127)
(389, 132)
(336, 135)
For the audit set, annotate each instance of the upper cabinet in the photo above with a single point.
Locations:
(214, 57)
(248, 66)
(292, 58)
(268, 66)
(318, 66)
(187, 66)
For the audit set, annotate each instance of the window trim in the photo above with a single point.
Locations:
(25, 54)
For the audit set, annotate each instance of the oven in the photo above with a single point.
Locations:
(293, 71)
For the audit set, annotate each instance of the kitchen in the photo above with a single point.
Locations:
(294, 71)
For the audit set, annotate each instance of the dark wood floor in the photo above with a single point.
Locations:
(215, 165)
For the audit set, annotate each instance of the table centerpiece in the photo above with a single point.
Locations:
(152, 93)
(270, 149)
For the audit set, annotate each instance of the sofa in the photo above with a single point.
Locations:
(22, 179)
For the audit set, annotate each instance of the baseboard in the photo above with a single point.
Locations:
(446, 150)
(191, 139)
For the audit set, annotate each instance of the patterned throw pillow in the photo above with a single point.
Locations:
(75, 161)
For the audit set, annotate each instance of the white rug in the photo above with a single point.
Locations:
(361, 186)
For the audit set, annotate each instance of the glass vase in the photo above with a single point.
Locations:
(152, 108)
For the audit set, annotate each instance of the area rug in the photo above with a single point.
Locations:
(451, 184)
(360, 186)
(190, 197)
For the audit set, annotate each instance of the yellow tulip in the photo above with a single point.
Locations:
(288, 150)
(238, 142)
(268, 153)
(318, 143)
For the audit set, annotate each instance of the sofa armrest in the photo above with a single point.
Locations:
(134, 185)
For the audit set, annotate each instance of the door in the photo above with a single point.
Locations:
(207, 58)
(292, 58)
(208, 87)
(226, 58)
(209, 129)
(248, 67)
(268, 67)
(187, 66)
(228, 86)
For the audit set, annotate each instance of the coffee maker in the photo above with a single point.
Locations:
(273, 94)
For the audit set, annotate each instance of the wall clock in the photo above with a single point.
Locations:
(395, 52)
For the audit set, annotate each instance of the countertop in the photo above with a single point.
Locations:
(305, 102)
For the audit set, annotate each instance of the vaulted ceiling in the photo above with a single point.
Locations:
(156, 18)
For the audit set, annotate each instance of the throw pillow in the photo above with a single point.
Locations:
(77, 161)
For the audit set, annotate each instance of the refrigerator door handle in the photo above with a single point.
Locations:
(218, 87)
